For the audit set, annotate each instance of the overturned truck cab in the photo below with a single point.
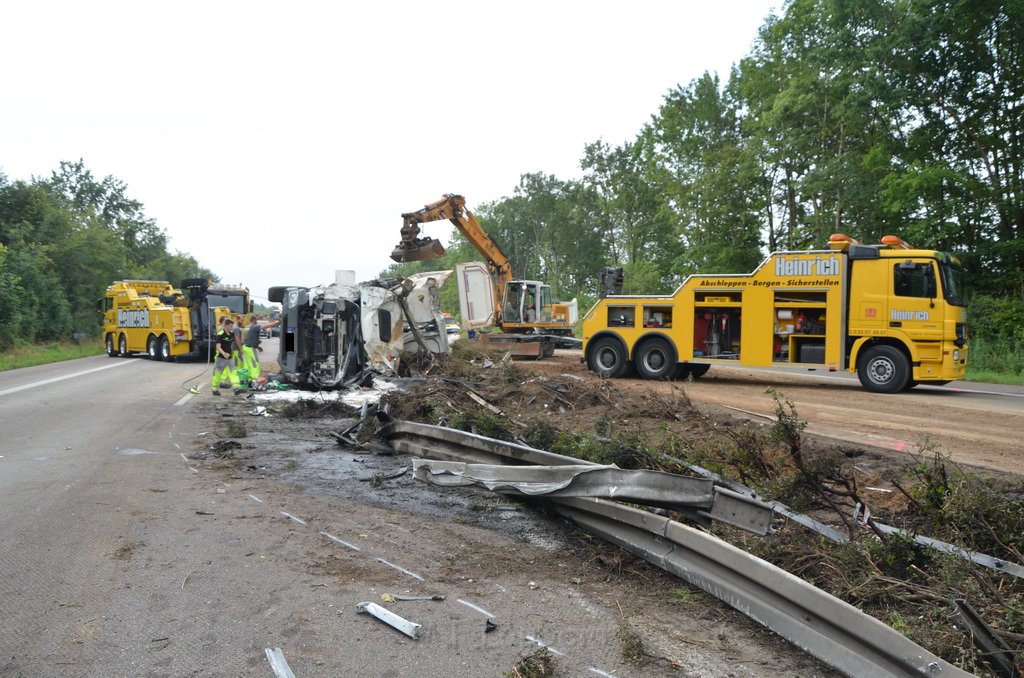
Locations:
(345, 333)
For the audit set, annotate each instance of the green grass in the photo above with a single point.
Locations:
(996, 361)
(28, 355)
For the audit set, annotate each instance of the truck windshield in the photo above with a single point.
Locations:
(952, 283)
(234, 301)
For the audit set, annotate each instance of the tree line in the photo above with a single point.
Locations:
(902, 117)
(63, 239)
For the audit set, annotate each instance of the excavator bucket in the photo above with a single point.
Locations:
(418, 249)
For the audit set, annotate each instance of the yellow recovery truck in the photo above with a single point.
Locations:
(893, 314)
(166, 323)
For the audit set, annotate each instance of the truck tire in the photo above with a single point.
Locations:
(165, 349)
(691, 371)
(151, 347)
(655, 359)
(883, 369)
(111, 351)
(275, 295)
(607, 357)
(122, 346)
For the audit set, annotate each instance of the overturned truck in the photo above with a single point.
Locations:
(345, 333)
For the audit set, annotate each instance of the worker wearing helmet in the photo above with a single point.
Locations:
(225, 339)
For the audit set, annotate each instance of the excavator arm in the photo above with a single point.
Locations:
(453, 208)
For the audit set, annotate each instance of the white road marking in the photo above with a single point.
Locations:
(400, 569)
(44, 382)
(289, 516)
(255, 498)
(474, 607)
(340, 541)
(183, 399)
(540, 643)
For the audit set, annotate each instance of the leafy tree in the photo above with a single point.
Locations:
(64, 240)
(960, 70)
(818, 119)
(107, 200)
(11, 295)
(636, 230)
(706, 176)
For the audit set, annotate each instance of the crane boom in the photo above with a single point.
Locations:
(453, 208)
(517, 306)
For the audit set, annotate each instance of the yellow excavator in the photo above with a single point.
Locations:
(514, 306)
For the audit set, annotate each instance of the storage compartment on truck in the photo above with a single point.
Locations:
(812, 352)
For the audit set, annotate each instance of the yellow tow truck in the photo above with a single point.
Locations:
(893, 314)
(164, 322)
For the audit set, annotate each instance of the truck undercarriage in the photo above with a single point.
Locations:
(345, 333)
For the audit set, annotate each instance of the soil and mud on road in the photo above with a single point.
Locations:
(930, 463)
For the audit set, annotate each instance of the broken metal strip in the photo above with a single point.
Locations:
(833, 631)
(490, 451)
(411, 629)
(456, 445)
(654, 488)
(278, 664)
(982, 559)
(399, 596)
(821, 528)
(741, 511)
(571, 480)
(994, 650)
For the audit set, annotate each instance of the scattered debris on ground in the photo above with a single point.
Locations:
(910, 587)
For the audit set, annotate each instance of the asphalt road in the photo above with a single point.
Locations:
(129, 550)
(82, 442)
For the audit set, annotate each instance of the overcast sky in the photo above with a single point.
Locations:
(279, 142)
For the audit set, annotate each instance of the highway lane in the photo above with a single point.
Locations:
(79, 440)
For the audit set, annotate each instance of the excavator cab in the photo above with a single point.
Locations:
(526, 301)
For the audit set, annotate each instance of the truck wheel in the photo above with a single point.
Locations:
(655, 359)
(165, 349)
(607, 357)
(275, 295)
(122, 346)
(691, 371)
(110, 346)
(883, 369)
(151, 347)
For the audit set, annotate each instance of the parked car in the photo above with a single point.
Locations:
(450, 325)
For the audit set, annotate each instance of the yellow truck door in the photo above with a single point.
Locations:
(913, 310)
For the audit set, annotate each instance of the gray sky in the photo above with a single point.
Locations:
(277, 142)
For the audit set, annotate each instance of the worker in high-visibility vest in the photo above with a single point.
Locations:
(225, 339)
(251, 346)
